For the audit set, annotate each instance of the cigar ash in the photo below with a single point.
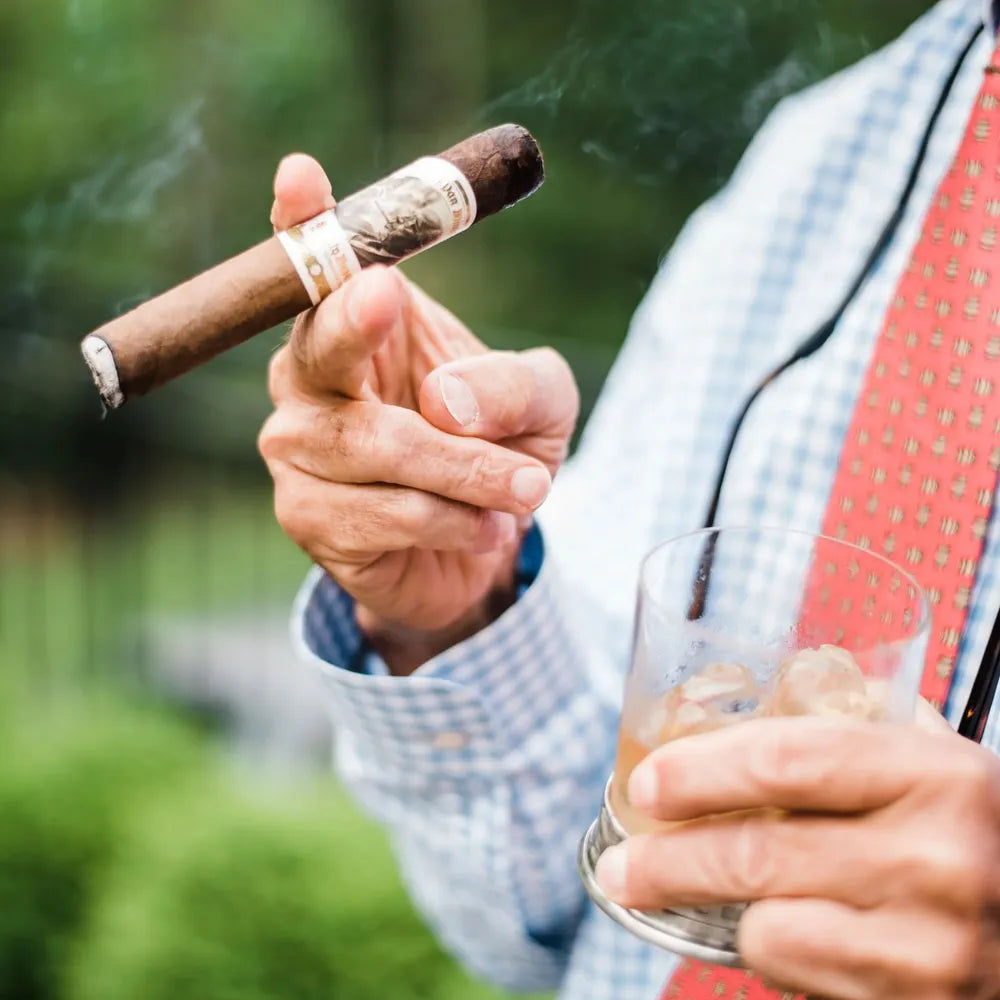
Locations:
(101, 362)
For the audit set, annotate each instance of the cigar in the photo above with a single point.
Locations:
(414, 208)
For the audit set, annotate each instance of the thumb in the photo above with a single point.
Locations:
(331, 346)
(301, 191)
(503, 394)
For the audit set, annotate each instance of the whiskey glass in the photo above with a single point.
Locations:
(734, 624)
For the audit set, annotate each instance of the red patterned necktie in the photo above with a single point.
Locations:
(919, 464)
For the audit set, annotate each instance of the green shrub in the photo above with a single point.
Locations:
(66, 787)
(246, 894)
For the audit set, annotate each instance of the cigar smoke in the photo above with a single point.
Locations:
(118, 189)
(125, 189)
(677, 85)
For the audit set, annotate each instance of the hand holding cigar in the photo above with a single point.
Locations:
(425, 203)
(407, 457)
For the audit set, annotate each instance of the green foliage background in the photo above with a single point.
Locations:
(137, 146)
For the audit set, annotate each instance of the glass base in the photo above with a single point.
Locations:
(704, 933)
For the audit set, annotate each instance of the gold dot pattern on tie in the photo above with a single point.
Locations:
(918, 470)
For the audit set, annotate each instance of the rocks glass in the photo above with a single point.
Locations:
(737, 623)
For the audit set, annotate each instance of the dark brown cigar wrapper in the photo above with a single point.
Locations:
(261, 287)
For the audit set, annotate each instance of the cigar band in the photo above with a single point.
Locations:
(321, 252)
(446, 202)
(410, 210)
(417, 206)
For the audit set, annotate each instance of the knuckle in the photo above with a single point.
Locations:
(763, 932)
(778, 763)
(290, 430)
(753, 864)
(395, 441)
(279, 375)
(561, 372)
(292, 513)
(942, 867)
(418, 513)
(974, 774)
(958, 868)
(514, 398)
(350, 547)
(272, 437)
(265, 441)
(549, 357)
(440, 522)
(476, 474)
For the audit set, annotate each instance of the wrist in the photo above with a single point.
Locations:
(404, 649)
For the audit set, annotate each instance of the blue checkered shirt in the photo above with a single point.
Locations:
(489, 762)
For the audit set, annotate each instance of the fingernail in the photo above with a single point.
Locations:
(530, 486)
(610, 870)
(458, 399)
(643, 788)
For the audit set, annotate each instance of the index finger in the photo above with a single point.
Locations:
(802, 763)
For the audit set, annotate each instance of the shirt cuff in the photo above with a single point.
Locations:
(465, 711)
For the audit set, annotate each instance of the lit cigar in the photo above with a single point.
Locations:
(425, 203)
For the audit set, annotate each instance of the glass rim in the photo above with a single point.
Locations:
(921, 624)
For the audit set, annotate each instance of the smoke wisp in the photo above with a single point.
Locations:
(676, 85)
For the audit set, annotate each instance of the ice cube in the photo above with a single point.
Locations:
(671, 717)
(690, 717)
(702, 703)
(816, 682)
(850, 703)
(656, 720)
(717, 682)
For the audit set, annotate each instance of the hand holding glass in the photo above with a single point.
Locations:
(739, 623)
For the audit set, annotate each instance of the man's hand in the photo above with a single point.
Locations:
(406, 457)
(882, 882)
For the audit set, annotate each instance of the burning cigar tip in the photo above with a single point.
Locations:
(103, 369)
(503, 165)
